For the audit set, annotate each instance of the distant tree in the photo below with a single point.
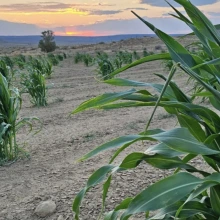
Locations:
(47, 43)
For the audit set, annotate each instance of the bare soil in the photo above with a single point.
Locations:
(51, 171)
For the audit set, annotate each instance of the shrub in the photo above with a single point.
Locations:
(189, 192)
(47, 43)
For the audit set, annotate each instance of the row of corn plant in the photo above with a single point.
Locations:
(189, 192)
(105, 64)
(33, 80)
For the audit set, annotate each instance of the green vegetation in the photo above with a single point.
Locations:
(47, 43)
(190, 192)
(53, 59)
(10, 105)
(20, 60)
(34, 83)
(106, 64)
(8, 61)
(6, 71)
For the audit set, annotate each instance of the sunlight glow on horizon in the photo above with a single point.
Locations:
(89, 18)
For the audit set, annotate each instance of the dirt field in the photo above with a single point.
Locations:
(51, 172)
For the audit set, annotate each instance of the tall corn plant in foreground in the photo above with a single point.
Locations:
(182, 195)
(10, 105)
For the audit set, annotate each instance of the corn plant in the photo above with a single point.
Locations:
(117, 62)
(136, 55)
(20, 60)
(78, 58)
(10, 105)
(64, 55)
(6, 71)
(34, 84)
(101, 55)
(189, 192)
(168, 64)
(60, 57)
(145, 53)
(53, 59)
(43, 67)
(105, 68)
(125, 56)
(87, 59)
(8, 60)
(48, 68)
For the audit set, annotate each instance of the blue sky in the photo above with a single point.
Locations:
(83, 17)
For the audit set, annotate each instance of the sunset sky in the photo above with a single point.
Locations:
(91, 18)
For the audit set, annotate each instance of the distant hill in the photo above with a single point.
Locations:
(67, 40)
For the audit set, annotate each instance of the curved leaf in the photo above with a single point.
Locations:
(167, 191)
